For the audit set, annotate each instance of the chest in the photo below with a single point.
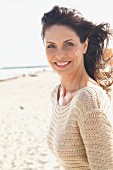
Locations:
(64, 135)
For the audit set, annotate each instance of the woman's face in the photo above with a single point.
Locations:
(63, 49)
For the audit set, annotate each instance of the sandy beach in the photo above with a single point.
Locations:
(24, 118)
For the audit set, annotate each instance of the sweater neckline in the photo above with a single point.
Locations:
(74, 97)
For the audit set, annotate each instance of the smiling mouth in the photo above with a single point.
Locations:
(62, 64)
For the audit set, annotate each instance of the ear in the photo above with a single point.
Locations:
(85, 46)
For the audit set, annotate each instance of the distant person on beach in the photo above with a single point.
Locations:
(81, 129)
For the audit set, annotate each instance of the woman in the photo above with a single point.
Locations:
(81, 129)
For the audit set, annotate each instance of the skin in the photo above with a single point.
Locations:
(65, 54)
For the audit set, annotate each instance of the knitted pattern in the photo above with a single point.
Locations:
(81, 133)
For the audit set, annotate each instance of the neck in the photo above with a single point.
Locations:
(72, 83)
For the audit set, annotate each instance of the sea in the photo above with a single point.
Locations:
(13, 72)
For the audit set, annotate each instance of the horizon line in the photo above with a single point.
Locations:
(19, 67)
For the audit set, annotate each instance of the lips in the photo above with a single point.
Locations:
(62, 64)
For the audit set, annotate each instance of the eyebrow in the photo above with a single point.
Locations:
(69, 40)
(50, 42)
(63, 42)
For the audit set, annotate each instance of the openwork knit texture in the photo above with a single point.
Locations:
(81, 133)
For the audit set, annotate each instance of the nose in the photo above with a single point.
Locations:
(59, 54)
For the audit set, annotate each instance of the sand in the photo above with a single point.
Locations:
(25, 112)
(24, 117)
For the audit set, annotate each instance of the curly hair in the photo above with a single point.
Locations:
(97, 34)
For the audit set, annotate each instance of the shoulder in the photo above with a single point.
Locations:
(92, 98)
(94, 104)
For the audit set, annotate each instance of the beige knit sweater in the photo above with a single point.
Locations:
(81, 133)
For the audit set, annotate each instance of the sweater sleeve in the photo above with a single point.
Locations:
(97, 133)
(95, 121)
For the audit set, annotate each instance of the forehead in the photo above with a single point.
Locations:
(59, 32)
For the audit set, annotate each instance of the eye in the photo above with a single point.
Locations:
(51, 46)
(69, 44)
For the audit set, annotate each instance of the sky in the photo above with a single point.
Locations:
(20, 27)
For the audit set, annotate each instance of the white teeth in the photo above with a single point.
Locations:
(62, 64)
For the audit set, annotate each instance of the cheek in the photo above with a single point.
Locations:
(78, 57)
(78, 53)
(49, 56)
(75, 54)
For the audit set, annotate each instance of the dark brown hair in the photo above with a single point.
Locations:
(97, 34)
